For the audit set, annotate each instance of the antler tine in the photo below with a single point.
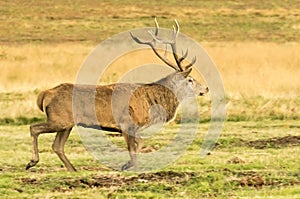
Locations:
(173, 44)
(137, 40)
(191, 63)
(175, 30)
(156, 26)
(183, 55)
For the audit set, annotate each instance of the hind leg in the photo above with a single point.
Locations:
(35, 131)
(58, 148)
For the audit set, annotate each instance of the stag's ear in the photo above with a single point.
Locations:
(186, 72)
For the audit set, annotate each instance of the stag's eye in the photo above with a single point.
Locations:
(190, 80)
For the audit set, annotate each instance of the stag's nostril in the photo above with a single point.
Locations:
(207, 89)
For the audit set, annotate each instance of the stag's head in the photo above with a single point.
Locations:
(180, 81)
(183, 85)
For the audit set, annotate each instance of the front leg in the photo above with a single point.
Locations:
(130, 140)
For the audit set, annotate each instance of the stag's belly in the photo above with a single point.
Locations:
(92, 107)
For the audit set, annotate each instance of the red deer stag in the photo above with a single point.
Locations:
(128, 118)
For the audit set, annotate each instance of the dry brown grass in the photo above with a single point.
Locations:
(247, 69)
(30, 67)
(251, 69)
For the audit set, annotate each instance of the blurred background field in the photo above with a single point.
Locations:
(255, 45)
(93, 21)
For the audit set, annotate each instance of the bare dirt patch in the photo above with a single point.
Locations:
(114, 180)
(117, 181)
(275, 142)
(255, 179)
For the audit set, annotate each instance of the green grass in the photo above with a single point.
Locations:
(267, 172)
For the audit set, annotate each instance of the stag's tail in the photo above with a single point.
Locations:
(40, 100)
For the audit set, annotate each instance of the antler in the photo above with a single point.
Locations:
(178, 66)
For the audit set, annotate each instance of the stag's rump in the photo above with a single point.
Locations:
(68, 104)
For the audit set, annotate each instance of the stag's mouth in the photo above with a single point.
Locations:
(205, 91)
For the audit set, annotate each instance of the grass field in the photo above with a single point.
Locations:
(251, 160)
(255, 45)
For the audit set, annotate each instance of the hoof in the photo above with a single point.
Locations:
(31, 164)
(126, 166)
